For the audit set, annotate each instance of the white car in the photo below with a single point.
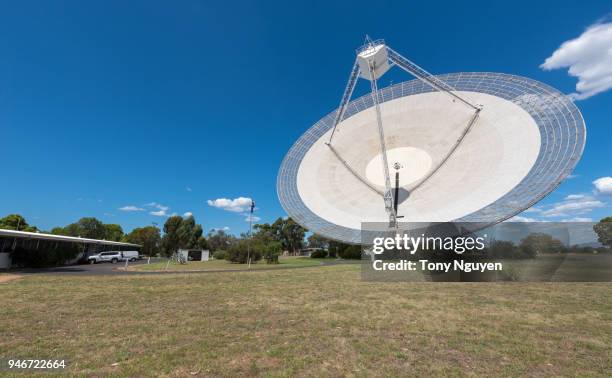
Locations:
(112, 256)
(130, 255)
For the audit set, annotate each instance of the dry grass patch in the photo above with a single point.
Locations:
(6, 277)
(318, 321)
(218, 265)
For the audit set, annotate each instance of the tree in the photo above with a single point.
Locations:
(264, 233)
(73, 229)
(88, 227)
(113, 232)
(219, 240)
(603, 229)
(202, 243)
(336, 248)
(538, 243)
(343, 250)
(148, 237)
(16, 222)
(58, 231)
(289, 233)
(170, 241)
(271, 251)
(189, 233)
(91, 228)
(316, 241)
(352, 252)
(179, 233)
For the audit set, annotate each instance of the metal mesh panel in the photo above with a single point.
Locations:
(562, 132)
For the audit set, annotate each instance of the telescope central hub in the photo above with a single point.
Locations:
(412, 163)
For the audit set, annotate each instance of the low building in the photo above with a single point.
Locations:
(23, 249)
(195, 254)
(309, 251)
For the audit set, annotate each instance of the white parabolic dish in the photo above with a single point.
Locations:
(527, 139)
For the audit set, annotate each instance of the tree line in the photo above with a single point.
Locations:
(182, 232)
(267, 239)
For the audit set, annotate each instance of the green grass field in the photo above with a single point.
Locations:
(319, 321)
(284, 262)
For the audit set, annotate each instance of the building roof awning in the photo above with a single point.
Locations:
(72, 239)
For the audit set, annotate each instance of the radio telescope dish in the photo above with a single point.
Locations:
(461, 147)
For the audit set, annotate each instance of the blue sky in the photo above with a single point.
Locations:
(164, 106)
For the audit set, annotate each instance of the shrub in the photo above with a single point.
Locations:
(239, 253)
(271, 251)
(352, 252)
(319, 254)
(219, 255)
(335, 248)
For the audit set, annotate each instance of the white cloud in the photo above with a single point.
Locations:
(518, 218)
(131, 208)
(603, 185)
(534, 209)
(236, 205)
(578, 219)
(158, 206)
(575, 204)
(188, 214)
(215, 229)
(574, 197)
(162, 210)
(589, 58)
(253, 217)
